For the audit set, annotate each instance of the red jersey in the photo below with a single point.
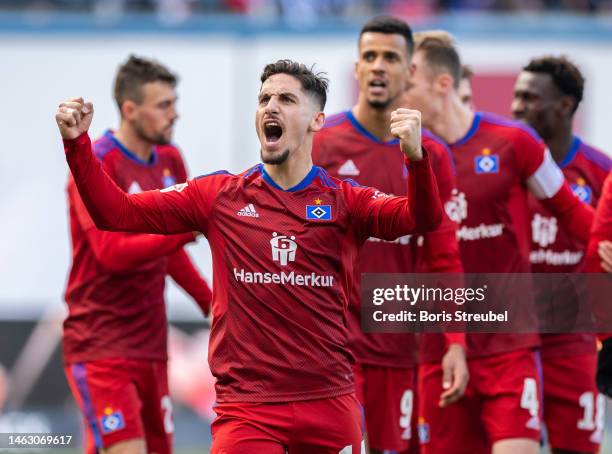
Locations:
(498, 161)
(346, 149)
(602, 227)
(282, 260)
(116, 283)
(553, 250)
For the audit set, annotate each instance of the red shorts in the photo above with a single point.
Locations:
(501, 402)
(321, 426)
(123, 399)
(388, 398)
(574, 411)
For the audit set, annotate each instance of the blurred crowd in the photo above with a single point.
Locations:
(314, 8)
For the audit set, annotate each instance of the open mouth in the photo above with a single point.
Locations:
(273, 131)
(378, 84)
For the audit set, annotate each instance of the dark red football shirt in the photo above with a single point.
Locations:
(116, 283)
(282, 259)
(553, 250)
(347, 150)
(498, 161)
(602, 227)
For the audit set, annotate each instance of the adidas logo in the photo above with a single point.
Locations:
(348, 168)
(134, 188)
(248, 211)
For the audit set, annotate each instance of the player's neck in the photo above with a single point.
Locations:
(133, 142)
(375, 121)
(454, 121)
(561, 144)
(291, 172)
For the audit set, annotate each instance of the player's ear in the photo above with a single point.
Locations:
(355, 74)
(128, 109)
(566, 105)
(317, 122)
(444, 83)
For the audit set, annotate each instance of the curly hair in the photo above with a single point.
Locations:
(565, 75)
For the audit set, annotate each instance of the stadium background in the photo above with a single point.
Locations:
(51, 50)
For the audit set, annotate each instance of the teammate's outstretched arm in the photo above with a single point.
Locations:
(548, 185)
(175, 211)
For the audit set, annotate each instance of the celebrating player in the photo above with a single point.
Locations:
(115, 333)
(547, 94)
(497, 161)
(359, 144)
(284, 236)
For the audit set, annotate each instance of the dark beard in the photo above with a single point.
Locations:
(158, 139)
(379, 104)
(275, 161)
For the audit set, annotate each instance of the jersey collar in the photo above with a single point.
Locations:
(471, 131)
(301, 185)
(129, 154)
(571, 154)
(364, 132)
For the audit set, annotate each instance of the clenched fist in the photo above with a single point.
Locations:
(73, 117)
(406, 126)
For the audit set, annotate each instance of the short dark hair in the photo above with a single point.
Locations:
(565, 75)
(440, 52)
(135, 73)
(390, 26)
(314, 84)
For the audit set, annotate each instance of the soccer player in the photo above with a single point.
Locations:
(282, 272)
(547, 94)
(115, 333)
(358, 144)
(498, 161)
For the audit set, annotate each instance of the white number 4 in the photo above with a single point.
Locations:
(529, 399)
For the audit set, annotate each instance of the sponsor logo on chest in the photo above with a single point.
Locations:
(284, 250)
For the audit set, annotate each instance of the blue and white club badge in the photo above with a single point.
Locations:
(168, 179)
(582, 191)
(318, 212)
(486, 163)
(112, 421)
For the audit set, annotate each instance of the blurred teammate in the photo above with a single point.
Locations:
(284, 236)
(547, 94)
(359, 144)
(497, 161)
(597, 261)
(115, 334)
(465, 87)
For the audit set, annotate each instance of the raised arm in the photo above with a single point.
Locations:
(175, 210)
(117, 251)
(389, 217)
